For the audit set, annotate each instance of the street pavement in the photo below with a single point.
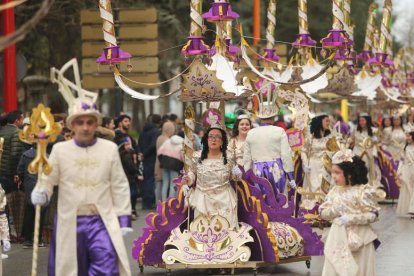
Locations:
(394, 257)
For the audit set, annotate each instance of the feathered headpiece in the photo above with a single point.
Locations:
(267, 104)
(84, 103)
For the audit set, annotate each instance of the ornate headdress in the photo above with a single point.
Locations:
(243, 116)
(344, 155)
(267, 104)
(217, 126)
(84, 103)
(211, 116)
(83, 107)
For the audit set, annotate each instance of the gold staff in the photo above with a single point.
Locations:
(41, 131)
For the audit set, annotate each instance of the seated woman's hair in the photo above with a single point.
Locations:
(355, 172)
(204, 142)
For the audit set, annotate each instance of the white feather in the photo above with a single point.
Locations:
(393, 93)
(367, 85)
(225, 72)
(309, 70)
(134, 94)
(283, 76)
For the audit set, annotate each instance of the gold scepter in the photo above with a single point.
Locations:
(41, 131)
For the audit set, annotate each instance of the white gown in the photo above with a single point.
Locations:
(406, 175)
(396, 142)
(213, 194)
(313, 180)
(349, 250)
(374, 172)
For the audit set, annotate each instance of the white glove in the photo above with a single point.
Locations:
(39, 197)
(343, 220)
(186, 188)
(292, 184)
(306, 169)
(126, 230)
(6, 245)
(236, 171)
(340, 209)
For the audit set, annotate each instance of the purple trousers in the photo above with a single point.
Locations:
(95, 252)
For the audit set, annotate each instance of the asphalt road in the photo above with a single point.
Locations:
(394, 257)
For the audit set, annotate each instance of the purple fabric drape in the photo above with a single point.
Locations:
(267, 170)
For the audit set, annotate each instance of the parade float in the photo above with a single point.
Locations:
(272, 230)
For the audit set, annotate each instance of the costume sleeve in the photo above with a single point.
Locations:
(367, 204)
(363, 218)
(327, 210)
(48, 181)
(247, 158)
(120, 189)
(286, 154)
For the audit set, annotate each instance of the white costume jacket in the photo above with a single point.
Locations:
(91, 175)
(267, 143)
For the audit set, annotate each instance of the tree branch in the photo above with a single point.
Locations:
(26, 27)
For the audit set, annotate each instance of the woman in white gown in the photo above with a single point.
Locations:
(240, 129)
(314, 150)
(352, 207)
(362, 140)
(409, 126)
(396, 138)
(406, 176)
(210, 176)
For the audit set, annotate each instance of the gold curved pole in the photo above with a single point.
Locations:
(41, 131)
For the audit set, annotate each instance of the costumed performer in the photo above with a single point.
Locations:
(406, 177)
(267, 151)
(242, 126)
(364, 149)
(314, 150)
(396, 138)
(211, 172)
(409, 126)
(352, 207)
(94, 208)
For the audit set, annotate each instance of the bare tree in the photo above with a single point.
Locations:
(20, 33)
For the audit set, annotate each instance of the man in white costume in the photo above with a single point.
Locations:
(93, 201)
(267, 150)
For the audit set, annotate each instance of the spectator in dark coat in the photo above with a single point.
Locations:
(29, 182)
(148, 152)
(130, 168)
(12, 151)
